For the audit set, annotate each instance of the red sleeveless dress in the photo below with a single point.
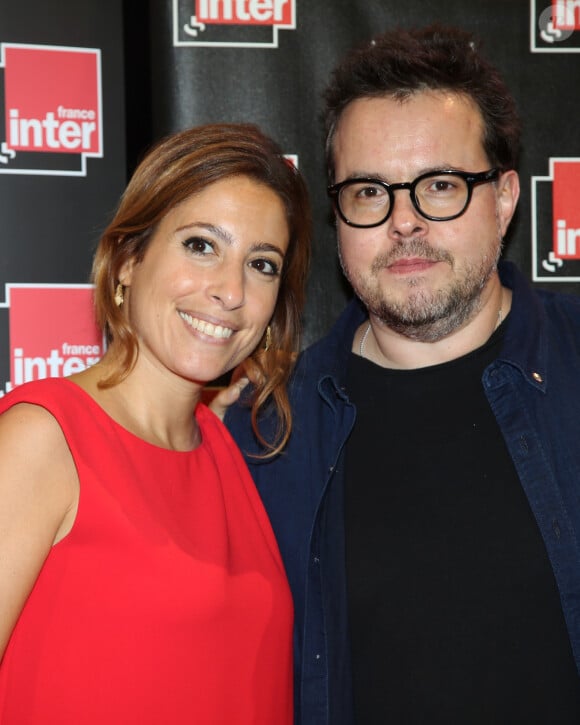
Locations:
(167, 603)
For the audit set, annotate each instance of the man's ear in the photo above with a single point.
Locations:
(508, 193)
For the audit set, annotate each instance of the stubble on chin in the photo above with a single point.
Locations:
(422, 314)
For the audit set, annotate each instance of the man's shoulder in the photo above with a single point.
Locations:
(564, 301)
(532, 302)
(329, 354)
(560, 308)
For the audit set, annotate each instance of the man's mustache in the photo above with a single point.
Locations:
(411, 248)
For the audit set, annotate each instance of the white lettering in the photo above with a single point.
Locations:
(565, 13)
(32, 363)
(572, 236)
(68, 349)
(210, 9)
(241, 13)
(73, 365)
(561, 238)
(14, 135)
(50, 124)
(26, 126)
(278, 10)
(82, 113)
(50, 132)
(53, 366)
(261, 9)
(69, 134)
(242, 10)
(18, 370)
(87, 129)
(54, 363)
(567, 240)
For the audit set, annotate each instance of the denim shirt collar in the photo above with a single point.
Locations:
(328, 357)
(525, 347)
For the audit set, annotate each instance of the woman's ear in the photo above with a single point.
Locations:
(126, 272)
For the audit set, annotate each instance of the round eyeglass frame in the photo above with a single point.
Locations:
(471, 179)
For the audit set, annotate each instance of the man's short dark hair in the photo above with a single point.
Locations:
(399, 63)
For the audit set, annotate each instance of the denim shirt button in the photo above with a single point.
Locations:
(315, 559)
(317, 657)
(537, 377)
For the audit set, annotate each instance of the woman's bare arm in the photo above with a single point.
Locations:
(38, 501)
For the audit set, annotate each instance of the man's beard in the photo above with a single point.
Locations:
(426, 316)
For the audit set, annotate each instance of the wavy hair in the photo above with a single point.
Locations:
(175, 169)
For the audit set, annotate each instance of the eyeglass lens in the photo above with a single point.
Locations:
(437, 196)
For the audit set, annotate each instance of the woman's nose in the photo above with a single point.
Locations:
(228, 288)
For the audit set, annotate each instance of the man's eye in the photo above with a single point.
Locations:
(369, 192)
(199, 245)
(265, 266)
(442, 186)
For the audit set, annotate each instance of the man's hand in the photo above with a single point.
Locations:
(228, 396)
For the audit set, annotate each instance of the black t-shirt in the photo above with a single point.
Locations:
(455, 616)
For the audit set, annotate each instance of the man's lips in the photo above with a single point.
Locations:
(411, 265)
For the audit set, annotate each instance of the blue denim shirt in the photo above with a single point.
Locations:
(533, 389)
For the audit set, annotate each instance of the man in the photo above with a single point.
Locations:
(427, 506)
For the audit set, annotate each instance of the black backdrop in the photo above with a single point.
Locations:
(157, 77)
(280, 88)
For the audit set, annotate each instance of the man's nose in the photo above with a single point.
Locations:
(405, 220)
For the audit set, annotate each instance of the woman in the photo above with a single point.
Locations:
(140, 580)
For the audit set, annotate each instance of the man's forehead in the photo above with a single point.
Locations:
(434, 125)
(443, 101)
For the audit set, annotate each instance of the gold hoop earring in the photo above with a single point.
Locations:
(119, 296)
(268, 342)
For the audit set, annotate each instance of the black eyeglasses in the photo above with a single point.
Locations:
(438, 196)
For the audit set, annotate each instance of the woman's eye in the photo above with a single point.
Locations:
(265, 266)
(199, 245)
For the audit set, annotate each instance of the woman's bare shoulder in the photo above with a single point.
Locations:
(35, 460)
(31, 429)
(38, 502)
